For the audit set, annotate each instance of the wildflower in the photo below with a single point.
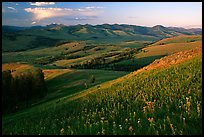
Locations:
(181, 132)
(106, 121)
(103, 132)
(150, 119)
(138, 120)
(168, 119)
(172, 128)
(198, 109)
(184, 122)
(126, 120)
(114, 124)
(130, 129)
(144, 109)
(85, 125)
(134, 114)
(62, 131)
(120, 126)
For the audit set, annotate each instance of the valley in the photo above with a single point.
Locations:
(106, 79)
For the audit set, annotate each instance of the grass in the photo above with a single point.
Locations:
(73, 48)
(63, 82)
(157, 51)
(167, 49)
(179, 39)
(17, 68)
(50, 37)
(160, 101)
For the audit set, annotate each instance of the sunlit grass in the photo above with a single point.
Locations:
(160, 101)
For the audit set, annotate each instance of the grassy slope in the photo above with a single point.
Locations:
(158, 101)
(63, 82)
(17, 68)
(169, 46)
(179, 39)
(147, 55)
(50, 37)
(28, 56)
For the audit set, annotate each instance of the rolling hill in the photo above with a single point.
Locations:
(159, 49)
(105, 79)
(54, 34)
(163, 98)
(126, 56)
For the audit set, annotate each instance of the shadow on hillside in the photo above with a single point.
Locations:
(141, 62)
(133, 65)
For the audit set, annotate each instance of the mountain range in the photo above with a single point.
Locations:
(53, 34)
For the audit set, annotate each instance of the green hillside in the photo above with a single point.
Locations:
(160, 100)
(158, 50)
(63, 82)
(72, 81)
(179, 39)
(13, 38)
(126, 56)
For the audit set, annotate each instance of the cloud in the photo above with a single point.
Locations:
(43, 13)
(85, 18)
(81, 18)
(94, 7)
(33, 22)
(12, 8)
(41, 3)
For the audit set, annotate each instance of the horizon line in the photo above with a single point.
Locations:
(185, 27)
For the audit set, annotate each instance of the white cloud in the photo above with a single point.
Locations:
(94, 7)
(43, 13)
(41, 3)
(33, 22)
(12, 8)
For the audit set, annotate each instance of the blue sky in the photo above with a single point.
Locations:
(178, 14)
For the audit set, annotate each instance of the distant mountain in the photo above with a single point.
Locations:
(52, 34)
(36, 27)
(12, 28)
(191, 31)
(158, 29)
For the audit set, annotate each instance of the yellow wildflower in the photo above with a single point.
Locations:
(62, 131)
(130, 129)
(150, 119)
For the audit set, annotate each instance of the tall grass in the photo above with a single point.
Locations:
(161, 101)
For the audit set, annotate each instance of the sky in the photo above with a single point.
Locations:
(168, 14)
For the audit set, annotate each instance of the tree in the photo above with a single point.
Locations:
(6, 90)
(22, 89)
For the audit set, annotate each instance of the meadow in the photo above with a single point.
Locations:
(162, 101)
(125, 56)
(107, 80)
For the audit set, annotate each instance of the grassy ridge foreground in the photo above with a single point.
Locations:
(159, 101)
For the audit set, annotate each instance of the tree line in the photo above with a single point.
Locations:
(22, 90)
(104, 62)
